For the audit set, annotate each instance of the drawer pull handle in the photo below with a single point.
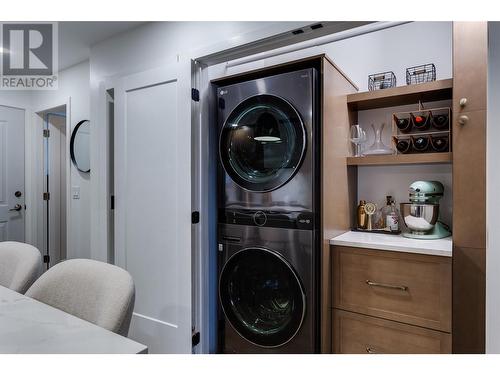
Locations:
(370, 350)
(389, 286)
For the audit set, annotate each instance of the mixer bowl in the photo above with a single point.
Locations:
(420, 218)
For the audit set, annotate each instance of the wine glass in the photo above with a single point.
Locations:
(358, 136)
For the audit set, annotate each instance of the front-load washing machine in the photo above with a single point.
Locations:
(268, 136)
(266, 290)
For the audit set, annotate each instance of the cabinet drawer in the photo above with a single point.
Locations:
(360, 334)
(408, 288)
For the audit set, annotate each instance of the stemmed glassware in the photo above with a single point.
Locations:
(358, 137)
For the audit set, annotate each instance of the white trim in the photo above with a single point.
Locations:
(35, 182)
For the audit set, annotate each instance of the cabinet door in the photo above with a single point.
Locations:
(469, 180)
(470, 54)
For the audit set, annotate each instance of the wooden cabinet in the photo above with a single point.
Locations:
(361, 334)
(391, 302)
(470, 42)
(408, 288)
(470, 53)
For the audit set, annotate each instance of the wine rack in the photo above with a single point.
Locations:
(422, 130)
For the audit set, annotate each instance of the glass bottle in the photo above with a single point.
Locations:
(390, 215)
(385, 211)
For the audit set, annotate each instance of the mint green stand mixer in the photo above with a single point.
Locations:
(421, 215)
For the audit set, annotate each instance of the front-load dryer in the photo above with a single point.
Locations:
(268, 152)
(267, 299)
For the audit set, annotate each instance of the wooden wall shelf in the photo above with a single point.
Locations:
(402, 95)
(431, 158)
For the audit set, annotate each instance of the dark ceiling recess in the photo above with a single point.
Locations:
(316, 26)
(297, 32)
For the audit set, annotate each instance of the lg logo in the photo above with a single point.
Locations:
(29, 49)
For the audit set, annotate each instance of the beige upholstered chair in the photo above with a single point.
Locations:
(20, 265)
(98, 292)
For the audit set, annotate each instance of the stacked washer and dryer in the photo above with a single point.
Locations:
(269, 219)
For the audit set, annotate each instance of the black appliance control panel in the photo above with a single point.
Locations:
(263, 218)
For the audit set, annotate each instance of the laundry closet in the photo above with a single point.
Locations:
(285, 203)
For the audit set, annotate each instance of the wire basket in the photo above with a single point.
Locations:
(420, 74)
(381, 81)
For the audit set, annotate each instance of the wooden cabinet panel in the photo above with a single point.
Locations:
(360, 334)
(469, 266)
(470, 54)
(336, 176)
(470, 58)
(409, 288)
(469, 180)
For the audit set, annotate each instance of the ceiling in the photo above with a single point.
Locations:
(76, 38)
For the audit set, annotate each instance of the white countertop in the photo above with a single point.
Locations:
(31, 327)
(441, 247)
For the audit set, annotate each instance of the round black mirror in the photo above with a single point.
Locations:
(80, 146)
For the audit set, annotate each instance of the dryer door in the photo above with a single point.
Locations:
(262, 143)
(262, 297)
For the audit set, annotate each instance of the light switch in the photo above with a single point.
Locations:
(75, 192)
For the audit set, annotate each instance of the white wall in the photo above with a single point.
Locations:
(74, 84)
(394, 49)
(492, 189)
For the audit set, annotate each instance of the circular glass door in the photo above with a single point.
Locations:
(262, 143)
(262, 297)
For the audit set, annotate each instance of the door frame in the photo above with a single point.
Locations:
(36, 183)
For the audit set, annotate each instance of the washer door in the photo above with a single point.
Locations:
(262, 143)
(262, 297)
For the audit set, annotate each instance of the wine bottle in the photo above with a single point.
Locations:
(403, 145)
(420, 122)
(440, 121)
(420, 144)
(403, 124)
(440, 143)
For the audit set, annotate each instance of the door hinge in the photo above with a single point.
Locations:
(46, 258)
(46, 133)
(195, 339)
(112, 203)
(46, 196)
(195, 94)
(195, 217)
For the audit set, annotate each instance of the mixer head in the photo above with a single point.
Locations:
(426, 191)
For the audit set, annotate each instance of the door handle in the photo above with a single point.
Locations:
(388, 286)
(17, 207)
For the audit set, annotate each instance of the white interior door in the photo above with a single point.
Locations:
(153, 203)
(11, 174)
